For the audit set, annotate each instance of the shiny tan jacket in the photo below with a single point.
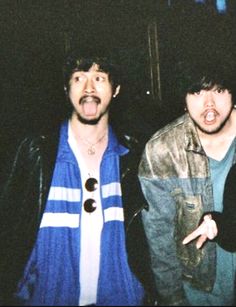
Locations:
(175, 178)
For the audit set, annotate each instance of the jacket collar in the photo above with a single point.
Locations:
(192, 141)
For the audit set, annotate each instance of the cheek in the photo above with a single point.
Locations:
(193, 106)
(74, 91)
(74, 98)
(104, 89)
(106, 95)
(225, 109)
(224, 103)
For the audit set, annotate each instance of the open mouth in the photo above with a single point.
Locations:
(90, 105)
(210, 116)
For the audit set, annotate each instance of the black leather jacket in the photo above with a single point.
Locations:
(22, 205)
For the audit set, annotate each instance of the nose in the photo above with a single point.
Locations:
(209, 99)
(89, 86)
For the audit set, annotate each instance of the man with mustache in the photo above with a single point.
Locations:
(182, 173)
(70, 231)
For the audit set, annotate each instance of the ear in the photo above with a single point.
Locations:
(117, 90)
(65, 90)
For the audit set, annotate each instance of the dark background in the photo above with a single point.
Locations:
(36, 35)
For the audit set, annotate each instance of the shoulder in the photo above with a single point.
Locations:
(167, 138)
(33, 145)
(170, 130)
(164, 147)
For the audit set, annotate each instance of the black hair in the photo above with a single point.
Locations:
(195, 76)
(80, 62)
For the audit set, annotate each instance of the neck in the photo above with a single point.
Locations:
(92, 140)
(91, 133)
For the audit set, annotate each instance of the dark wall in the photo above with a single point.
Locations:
(32, 44)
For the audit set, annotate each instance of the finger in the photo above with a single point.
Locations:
(211, 230)
(200, 241)
(207, 217)
(197, 232)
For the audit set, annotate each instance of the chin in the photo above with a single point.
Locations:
(88, 121)
(211, 130)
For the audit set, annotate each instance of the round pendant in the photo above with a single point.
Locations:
(91, 151)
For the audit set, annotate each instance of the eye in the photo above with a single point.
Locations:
(219, 90)
(78, 78)
(100, 78)
(198, 93)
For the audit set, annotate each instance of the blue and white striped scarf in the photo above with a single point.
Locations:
(52, 275)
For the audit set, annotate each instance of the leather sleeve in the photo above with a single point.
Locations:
(226, 221)
(18, 215)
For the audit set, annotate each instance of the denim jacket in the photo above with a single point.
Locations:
(175, 178)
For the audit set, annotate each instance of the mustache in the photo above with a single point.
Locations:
(89, 98)
(210, 110)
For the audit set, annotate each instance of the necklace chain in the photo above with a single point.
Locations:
(91, 149)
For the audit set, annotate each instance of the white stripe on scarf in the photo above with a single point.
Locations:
(66, 194)
(111, 189)
(60, 220)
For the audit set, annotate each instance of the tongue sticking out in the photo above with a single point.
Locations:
(90, 108)
(90, 105)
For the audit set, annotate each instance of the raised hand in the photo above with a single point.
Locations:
(207, 230)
